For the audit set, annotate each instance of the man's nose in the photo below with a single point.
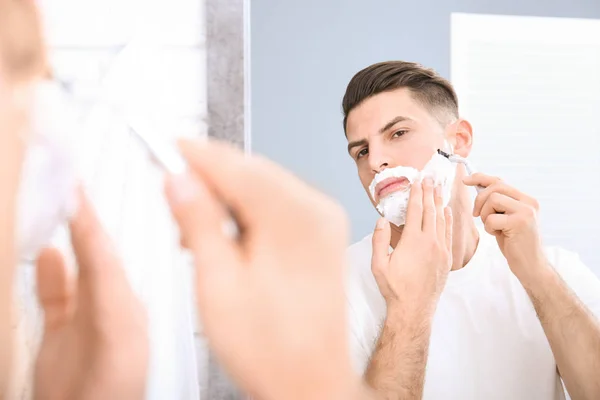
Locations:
(378, 160)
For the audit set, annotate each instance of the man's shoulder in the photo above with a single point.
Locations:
(363, 246)
(365, 302)
(359, 253)
(560, 258)
(362, 289)
(573, 271)
(567, 263)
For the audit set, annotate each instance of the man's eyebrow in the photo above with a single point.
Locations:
(393, 122)
(356, 143)
(387, 126)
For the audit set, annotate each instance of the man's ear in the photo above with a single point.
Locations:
(462, 137)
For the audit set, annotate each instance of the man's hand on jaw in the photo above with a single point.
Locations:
(571, 329)
(414, 274)
(411, 280)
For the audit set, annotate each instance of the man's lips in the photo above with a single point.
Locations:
(390, 185)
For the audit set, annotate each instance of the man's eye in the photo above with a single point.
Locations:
(363, 152)
(398, 133)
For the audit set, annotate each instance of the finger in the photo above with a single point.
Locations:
(499, 203)
(440, 216)
(479, 179)
(496, 223)
(449, 228)
(256, 190)
(497, 187)
(55, 289)
(414, 212)
(381, 246)
(96, 257)
(201, 219)
(428, 206)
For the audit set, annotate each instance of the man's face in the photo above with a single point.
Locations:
(388, 130)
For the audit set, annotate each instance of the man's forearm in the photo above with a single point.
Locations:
(397, 367)
(572, 331)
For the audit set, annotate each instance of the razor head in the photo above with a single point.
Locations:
(443, 153)
(454, 158)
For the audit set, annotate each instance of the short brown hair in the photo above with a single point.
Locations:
(425, 85)
(22, 47)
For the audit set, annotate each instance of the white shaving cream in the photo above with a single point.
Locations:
(394, 206)
(47, 192)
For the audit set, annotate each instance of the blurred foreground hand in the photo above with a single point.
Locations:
(95, 340)
(272, 302)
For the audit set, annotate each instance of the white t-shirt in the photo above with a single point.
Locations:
(486, 340)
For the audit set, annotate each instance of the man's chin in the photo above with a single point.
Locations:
(395, 222)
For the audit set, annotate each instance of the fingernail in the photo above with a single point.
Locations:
(428, 182)
(192, 141)
(381, 223)
(184, 187)
(438, 190)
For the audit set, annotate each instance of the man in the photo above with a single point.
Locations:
(511, 317)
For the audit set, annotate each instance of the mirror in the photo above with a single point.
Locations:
(300, 74)
(527, 76)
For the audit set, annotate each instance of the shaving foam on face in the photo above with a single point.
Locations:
(395, 205)
(47, 192)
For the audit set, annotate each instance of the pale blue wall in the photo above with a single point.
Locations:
(303, 54)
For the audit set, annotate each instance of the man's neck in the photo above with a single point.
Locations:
(465, 237)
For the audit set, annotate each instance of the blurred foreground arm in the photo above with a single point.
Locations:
(11, 154)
